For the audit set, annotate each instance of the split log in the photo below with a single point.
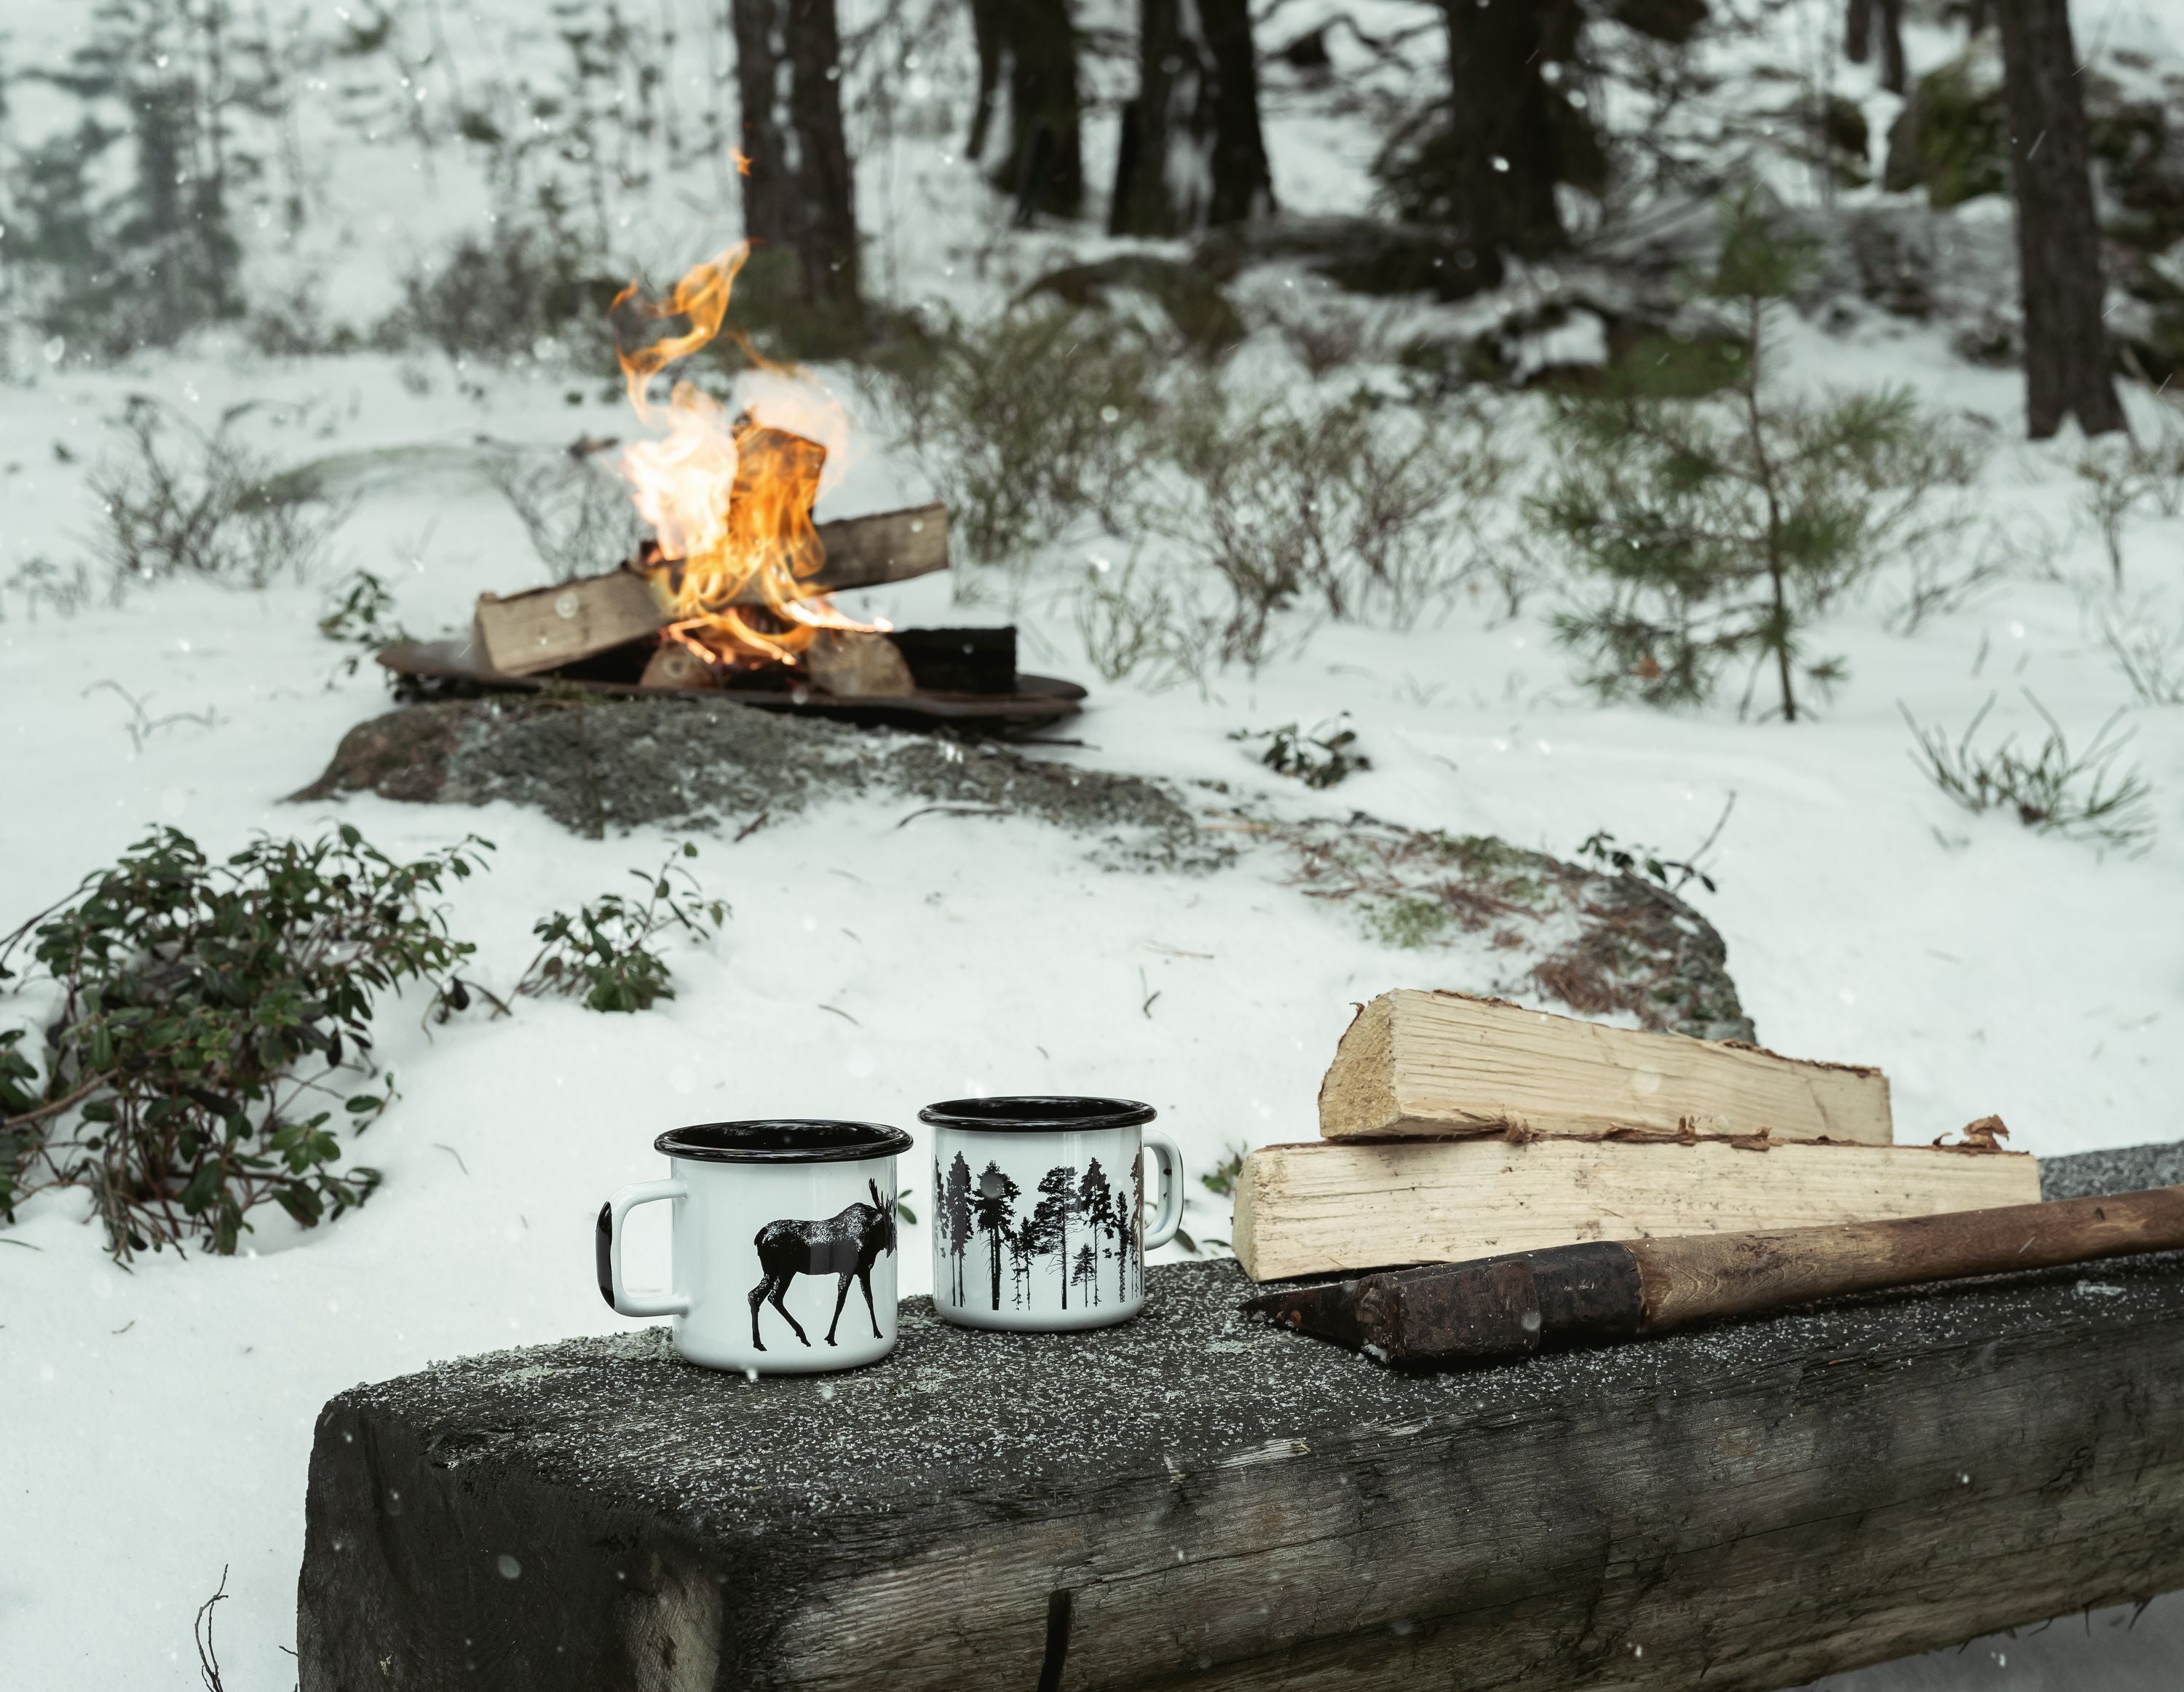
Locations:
(854, 665)
(525, 633)
(886, 546)
(549, 627)
(674, 666)
(1329, 1207)
(1198, 1499)
(1447, 1064)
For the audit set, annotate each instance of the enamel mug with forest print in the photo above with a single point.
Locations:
(1038, 1203)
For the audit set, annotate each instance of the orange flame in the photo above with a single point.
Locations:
(729, 495)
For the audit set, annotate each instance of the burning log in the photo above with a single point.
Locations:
(523, 634)
(549, 627)
(858, 666)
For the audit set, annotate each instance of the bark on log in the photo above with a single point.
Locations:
(1192, 155)
(1196, 1499)
(2059, 242)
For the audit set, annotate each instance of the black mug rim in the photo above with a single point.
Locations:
(1033, 1113)
(784, 1139)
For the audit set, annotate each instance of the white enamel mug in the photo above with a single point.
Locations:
(1038, 1211)
(778, 1227)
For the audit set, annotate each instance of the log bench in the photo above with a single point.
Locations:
(1196, 1499)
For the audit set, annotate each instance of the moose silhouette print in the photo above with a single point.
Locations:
(846, 1244)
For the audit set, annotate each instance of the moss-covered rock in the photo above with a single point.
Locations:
(1952, 137)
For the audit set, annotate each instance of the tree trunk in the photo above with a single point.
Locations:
(1044, 166)
(989, 29)
(1488, 171)
(1192, 154)
(1857, 39)
(799, 195)
(2058, 255)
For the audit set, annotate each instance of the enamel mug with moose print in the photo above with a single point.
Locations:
(1038, 1211)
(784, 1254)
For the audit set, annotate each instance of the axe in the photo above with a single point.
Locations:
(1494, 1309)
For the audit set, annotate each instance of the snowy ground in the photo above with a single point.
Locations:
(869, 968)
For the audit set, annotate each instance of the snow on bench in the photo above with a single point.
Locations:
(1197, 1500)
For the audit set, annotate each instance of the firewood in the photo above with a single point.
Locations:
(1447, 1064)
(1327, 1206)
(1514, 1306)
(885, 546)
(961, 660)
(546, 628)
(674, 666)
(549, 627)
(856, 665)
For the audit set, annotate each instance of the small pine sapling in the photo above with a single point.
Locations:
(1716, 530)
(604, 953)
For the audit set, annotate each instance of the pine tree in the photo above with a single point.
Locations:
(954, 1205)
(1028, 49)
(1122, 1224)
(2059, 241)
(993, 1211)
(1192, 154)
(1718, 529)
(799, 196)
(1095, 1203)
(1086, 1273)
(1049, 1219)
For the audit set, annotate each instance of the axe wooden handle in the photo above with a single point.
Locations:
(1501, 1307)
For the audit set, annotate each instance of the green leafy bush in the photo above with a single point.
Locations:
(1320, 759)
(604, 953)
(210, 1036)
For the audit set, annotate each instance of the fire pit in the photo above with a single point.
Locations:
(731, 595)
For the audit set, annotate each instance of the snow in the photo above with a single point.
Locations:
(870, 967)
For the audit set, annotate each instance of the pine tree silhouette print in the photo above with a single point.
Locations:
(1122, 1224)
(993, 1213)
(1049, 1221)
(1095, 1203)
(1086, 1274)
(955, 1202)
(1023, 1251)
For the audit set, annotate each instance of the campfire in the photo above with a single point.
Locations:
(732, 592)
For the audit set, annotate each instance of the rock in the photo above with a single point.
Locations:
(1952, 135)
(1362, 254)
(1191, 299)
(1196, 1497)
(594, 764)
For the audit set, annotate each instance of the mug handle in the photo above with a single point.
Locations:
(611, 1287)
(1169, 1217)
